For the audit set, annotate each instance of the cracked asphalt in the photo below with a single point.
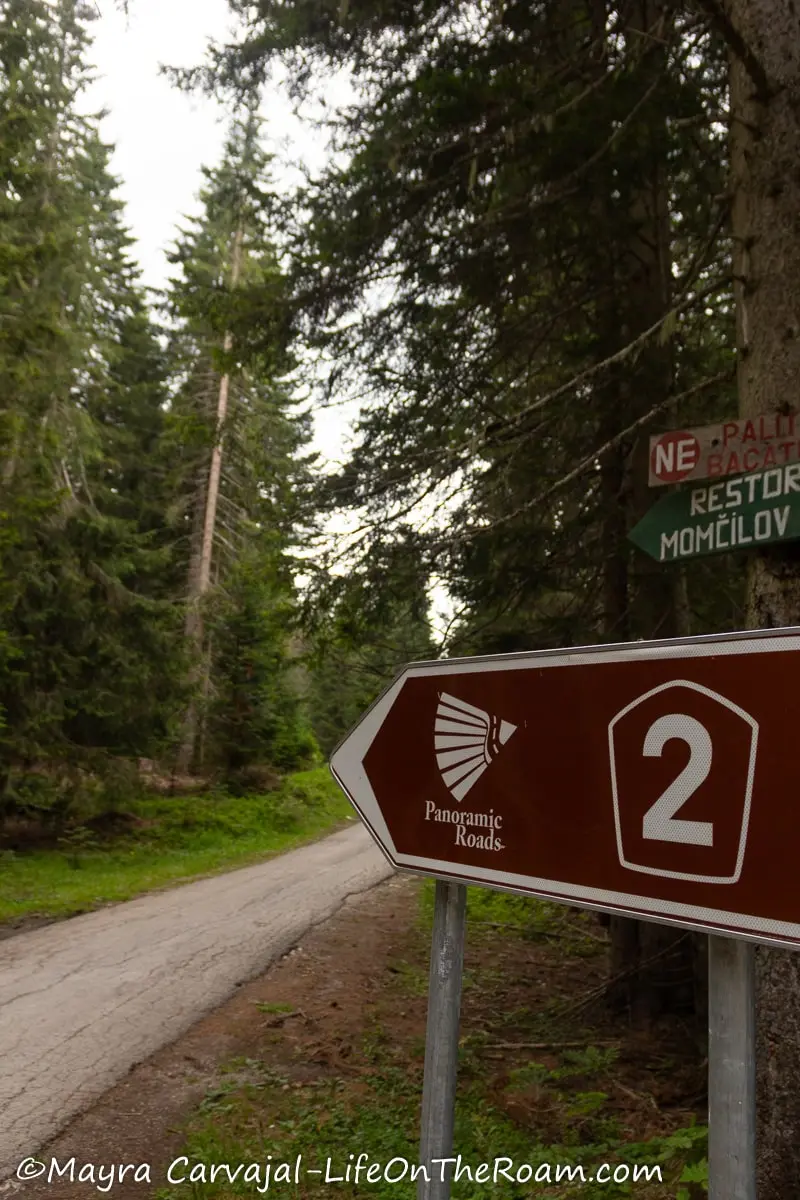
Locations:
(82, 1001)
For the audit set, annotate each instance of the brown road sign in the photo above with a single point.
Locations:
(655, 779)
(733, 447)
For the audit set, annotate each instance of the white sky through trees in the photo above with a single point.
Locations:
(162, 137)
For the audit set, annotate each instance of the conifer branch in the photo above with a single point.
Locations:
(592, 459)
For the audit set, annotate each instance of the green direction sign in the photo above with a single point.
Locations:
(734, 514)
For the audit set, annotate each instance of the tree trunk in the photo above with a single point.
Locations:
(212, 494)
(651, 965)
(193, 628)
(764, 37)
(200, 569)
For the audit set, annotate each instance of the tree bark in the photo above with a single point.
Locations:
(651, 965)
(212, 493)
(764, 39)
(200, 570)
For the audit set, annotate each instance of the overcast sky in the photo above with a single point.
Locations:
(163, 137)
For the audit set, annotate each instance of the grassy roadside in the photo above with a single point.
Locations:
(167, 840)
(547, 1078)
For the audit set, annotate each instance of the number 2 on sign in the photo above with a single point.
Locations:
(660, 823)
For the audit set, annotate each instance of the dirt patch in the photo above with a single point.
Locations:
(359, 981)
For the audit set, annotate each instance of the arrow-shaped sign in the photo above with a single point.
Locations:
(715, 518)
(649, 779)
(727, 448)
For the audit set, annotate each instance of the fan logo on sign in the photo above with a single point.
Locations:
(466, 741)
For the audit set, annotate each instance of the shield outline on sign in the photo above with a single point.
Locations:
(751, 767)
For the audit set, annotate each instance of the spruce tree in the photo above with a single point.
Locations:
(240, 473)
(93, 671)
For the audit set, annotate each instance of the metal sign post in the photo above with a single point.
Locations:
(441, 1040)
(731, 1070)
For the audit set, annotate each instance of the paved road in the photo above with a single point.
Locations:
(81, 1001)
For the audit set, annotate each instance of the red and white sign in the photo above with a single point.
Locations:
(655, 779)
(729, 448)
(673, 456)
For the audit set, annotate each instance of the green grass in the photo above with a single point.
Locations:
(175, 839)
(259, 1113)
(252, 1116)
(490, 911)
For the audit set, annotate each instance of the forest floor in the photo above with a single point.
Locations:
(158, 841)
(322, 1057)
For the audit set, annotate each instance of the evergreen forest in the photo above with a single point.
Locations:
(158, 493)
(544, 231)
(516, 265)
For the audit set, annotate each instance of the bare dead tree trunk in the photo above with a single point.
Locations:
(212, 495)
(193, 628)
(200, 569)
(764, 39)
